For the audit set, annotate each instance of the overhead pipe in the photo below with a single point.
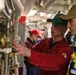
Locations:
(18, 6)
(48, 7)
(9, 5)
(8, 9)
(6, 14)
(12, 5)
(42, 9)
(49, 3)
(45, 6)
(28, 6)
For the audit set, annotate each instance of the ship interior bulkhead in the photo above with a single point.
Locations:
(17, 17)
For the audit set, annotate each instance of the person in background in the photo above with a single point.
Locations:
(51, 55)
(71, 18)
(29, 43)
(39, 38)
(42, 34)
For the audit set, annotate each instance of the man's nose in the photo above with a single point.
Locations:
(68, 25)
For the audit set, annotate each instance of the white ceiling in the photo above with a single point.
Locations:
(47, 7)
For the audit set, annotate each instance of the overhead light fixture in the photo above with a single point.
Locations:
(49, 15)
(27, 21)
(42, 14)
(32, 12)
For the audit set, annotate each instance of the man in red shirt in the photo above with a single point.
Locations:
(52, 55)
